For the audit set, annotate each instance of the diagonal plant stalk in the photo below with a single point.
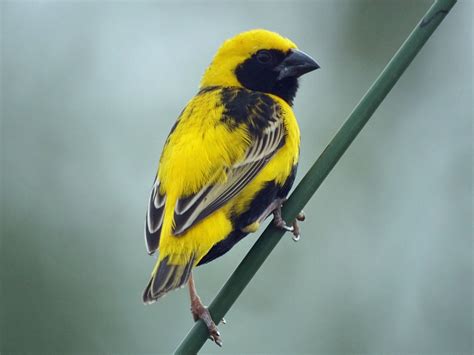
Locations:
(237, 282)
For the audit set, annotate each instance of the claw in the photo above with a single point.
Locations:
(223, 321)
(215, 337)
(286, 227)
(296, 230)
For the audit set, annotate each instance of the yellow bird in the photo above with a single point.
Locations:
(228, 163)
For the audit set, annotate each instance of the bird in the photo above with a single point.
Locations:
(228, 163)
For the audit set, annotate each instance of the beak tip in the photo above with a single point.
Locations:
(296, 64)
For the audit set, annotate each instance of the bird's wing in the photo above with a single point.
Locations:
(154, 217)
(191, 209)
(258, 115)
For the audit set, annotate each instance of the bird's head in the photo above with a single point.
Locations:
(259, 60)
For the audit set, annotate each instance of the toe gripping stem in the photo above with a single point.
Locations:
(279, 222)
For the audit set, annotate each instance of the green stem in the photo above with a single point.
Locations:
(237, 282)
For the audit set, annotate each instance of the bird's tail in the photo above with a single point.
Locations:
(166, 277)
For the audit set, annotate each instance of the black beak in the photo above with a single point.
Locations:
(296, 64)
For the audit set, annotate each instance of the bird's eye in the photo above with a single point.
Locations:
(264, 57)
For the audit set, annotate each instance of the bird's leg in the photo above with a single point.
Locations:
(200, 311)
(280, 223)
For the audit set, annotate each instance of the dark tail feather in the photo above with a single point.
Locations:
(167, 277)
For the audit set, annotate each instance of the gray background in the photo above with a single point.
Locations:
(89, 93)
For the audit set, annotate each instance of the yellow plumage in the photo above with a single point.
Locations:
(229, 143)
(236, 50)
(196, 154)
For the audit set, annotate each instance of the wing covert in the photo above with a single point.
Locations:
(154, 218)
(191, 209)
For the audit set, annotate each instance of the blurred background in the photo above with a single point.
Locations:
(90, 91)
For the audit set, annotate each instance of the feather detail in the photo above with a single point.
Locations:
(167, 277)
(154, 218)
(192, 209)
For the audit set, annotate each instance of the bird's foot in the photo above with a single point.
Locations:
(200, 311)
(279, 222)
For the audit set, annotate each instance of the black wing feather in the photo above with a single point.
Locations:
(192, 209)
(154, 218)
